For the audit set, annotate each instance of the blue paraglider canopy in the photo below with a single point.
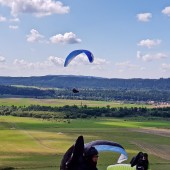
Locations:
(104, 145)
(75, 53)
(74, 155)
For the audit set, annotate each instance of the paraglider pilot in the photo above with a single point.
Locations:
(141, 161)
(75, 90)
(91, 158)
(82, 156)
(78, 158)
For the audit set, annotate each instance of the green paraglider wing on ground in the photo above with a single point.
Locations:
(121, 167)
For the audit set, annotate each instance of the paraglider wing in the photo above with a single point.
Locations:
(74, 53)
(121, 167)
(122, 158)
(104, 145)
(74, 155)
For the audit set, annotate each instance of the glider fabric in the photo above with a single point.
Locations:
(104, 145)
(121, 167)
(75, 53)
(76, 151)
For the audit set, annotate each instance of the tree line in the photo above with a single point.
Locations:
(87, 94)
(73, 112)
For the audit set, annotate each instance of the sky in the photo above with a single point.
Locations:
(128, 38)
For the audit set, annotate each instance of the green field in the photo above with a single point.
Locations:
(28, 143)
(62, 102)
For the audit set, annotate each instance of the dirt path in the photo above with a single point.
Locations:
(155, 131)
(161, 151)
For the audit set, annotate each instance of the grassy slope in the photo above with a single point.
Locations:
(62, 102)
(29, 143)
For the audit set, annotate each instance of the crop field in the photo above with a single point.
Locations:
(29, 143)
(62, 102)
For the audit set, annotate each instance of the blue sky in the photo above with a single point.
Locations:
(128, 38)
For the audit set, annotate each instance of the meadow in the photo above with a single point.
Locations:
(63, 102)
(30, 143)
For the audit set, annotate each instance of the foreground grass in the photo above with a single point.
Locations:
(28, 143)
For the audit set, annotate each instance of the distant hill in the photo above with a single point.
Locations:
(87, 82)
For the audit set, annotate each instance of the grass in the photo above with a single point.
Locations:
(62, 102)
(28, 143)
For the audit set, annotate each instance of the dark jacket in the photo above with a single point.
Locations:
(81, 164)
(74, 158)
(141, 161)
(142, 165)
(89, 165)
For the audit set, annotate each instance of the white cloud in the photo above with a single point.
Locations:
(56, 60)
(126, 65)
(34, 36)
(166, 11)
(149, 43)
(165, 67)
(2, 68)
(37, 7)
(144, 17)
(21, 63)
(2, 59)
(14, 20)
(2, 19)
(13, 27)
(122, 64)
(128, 68)
(151, 57)
(100, 61)
(68, 37)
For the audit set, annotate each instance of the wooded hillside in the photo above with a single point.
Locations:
(87, 82)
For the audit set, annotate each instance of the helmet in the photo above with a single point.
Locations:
(91, 152)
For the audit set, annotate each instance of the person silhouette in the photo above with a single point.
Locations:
(141, 161)
(91, 158)
(78, 158)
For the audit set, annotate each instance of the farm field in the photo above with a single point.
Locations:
(62, 102)
(29, 143)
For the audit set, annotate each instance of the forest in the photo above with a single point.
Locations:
(87, 82)
(140, 95)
